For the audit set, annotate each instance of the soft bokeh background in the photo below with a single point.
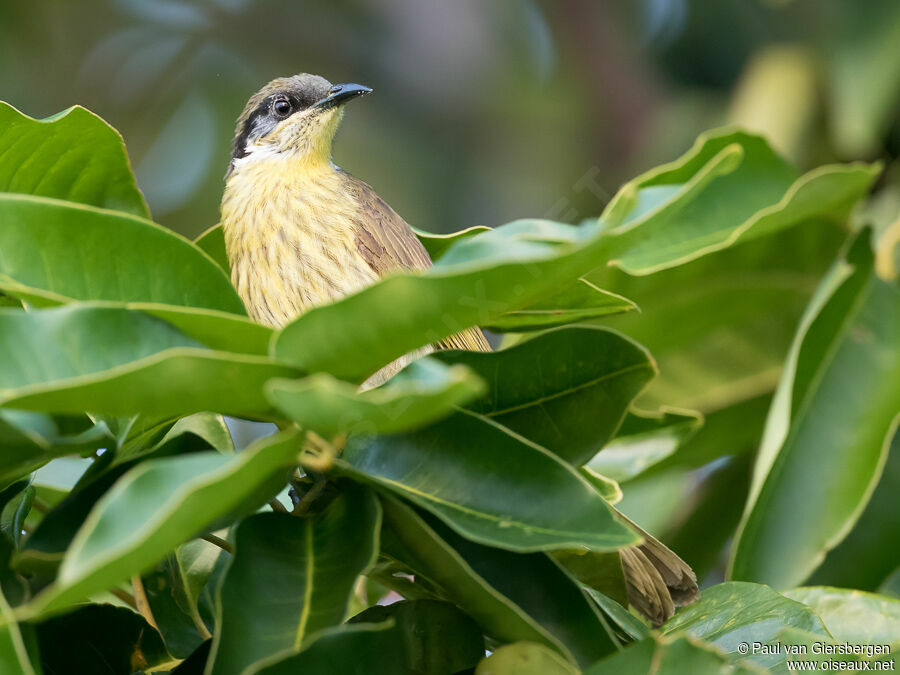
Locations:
(483, 111)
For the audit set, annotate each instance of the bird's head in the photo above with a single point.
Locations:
(292, 117)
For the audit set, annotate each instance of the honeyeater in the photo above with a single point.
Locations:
(301, 232)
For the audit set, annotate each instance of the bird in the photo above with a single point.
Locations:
(301, 232)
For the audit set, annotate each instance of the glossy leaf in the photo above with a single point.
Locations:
(823, 452)
(660, 655)
(291, 577)
(217, 330)
(131, 363)
(73, 155)
(47, 543)
(736, 612)
(512, 596)
(517, 496)
(212, 241)
(863, 74)
(29, 440)
(407, 537)
(580, 301)
(100, 639)
(436, 636)
(14, 656)
(425, 391)
(437, 244)
(156, 506)
(43, 263)
(566, 389)
(354, 649)
(525, 658)
(862, 560)
(517, 265)
(642, 441)
(173, 591)
(730, 185)
(743, 303)
(477, 280)
(853, 616)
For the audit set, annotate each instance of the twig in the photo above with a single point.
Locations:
(277, 506)
(140, 599)
(303, 505)
(218, 541)
(127, 598)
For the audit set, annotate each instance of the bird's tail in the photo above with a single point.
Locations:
(656, 579)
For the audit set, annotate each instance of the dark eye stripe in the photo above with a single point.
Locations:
(258, 124)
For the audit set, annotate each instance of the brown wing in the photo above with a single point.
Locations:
(388, 244)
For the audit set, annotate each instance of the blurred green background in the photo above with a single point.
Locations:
(483, 112)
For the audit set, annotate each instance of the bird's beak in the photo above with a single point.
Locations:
(340, 94)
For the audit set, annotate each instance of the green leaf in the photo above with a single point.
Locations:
(173, 591)
(212, 241)
(436, 636)
(823, 452)
(425, 391)
(518, 496)
(513, 597)
(630, 624)
(659, 655)
(100, 639)
(729, 186)
(525, 658)
(853, 616)
(44, 261)
(720, 326)
(128, 363)
(862, 560)
(664, 218)
(437, 244)
(567, 389)
(730, 431)
(600, 571)
(406, 537)
(224, 331)
(580, 301)
(28, 440)
(736, 612)
(291, 577)
(73, 155)
(46, 545)
(14, 656)
(605, 487)
(863, 74)
(476, 281)
(715, 511)
(156, 506)
(367, 648)
(644, 440)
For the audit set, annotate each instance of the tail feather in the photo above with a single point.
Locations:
(656, 579)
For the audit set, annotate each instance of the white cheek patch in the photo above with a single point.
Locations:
(255, 152)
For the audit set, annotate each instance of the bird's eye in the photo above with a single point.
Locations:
(282, 107)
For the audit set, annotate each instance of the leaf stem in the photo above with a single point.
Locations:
(141, 602)
(221, 543)
(125, 597)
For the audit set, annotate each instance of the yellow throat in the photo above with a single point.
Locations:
(288, 220)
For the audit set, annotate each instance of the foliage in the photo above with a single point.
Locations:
(478, 487)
